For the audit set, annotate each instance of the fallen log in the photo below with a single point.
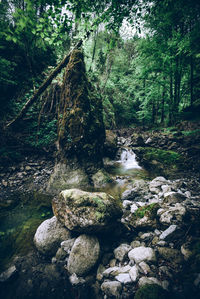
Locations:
(42, 87)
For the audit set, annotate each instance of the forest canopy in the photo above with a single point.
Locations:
(149, 75)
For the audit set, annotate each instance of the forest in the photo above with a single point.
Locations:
(99, 130)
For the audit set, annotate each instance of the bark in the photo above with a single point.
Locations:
(42, 88)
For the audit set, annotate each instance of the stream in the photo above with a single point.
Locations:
(19, 222)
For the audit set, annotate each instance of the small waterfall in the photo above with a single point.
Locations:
(128, 159)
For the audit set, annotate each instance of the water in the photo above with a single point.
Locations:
(128, 159)
(19, 223)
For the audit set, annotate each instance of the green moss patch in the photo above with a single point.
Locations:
(151, 291)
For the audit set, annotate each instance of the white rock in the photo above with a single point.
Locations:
(6, 275)
(142, 253)
(135, 244)
(168, 233)
(75, 280)
(134, 208)
(49, 235)
(67, 245)
(166, 188)
(126, 204)
(123, 278)
(134, 273)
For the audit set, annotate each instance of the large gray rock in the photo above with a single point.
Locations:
(111, 288)
(172, 215)
(155, 184)
(122, 251)
(142, 253)
(85, 212)
(134, 273)
(84, 255)
(49, 235)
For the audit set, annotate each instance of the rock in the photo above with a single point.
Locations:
(86, 211)
(134, 273)
(186, 252)
(75, 280)
(166, 188)
(84, 255)
(134, 208)
(112, 263)
(8, 274)
(129, 194)
(49, 235)
(100, 271)
(151, 291)
(101, 178)
(144, 268)
(171, 215)
(197, 280)
(67, 245)
(142, 253)
(61, 254)
(144, 217)
(135, 244)
(127, 203)
(147, 236)
(169, 233)
(122, 251)
(114, 271)
(110, 145)
(155, 184)
(106, 258)
(124, 278)
(173, 197)
(112, 288)
(171, 255)
(148, 280)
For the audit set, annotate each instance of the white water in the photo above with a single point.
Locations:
(128, 160)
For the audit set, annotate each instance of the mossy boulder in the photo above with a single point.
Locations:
(151, 291)
(101, 178)
(86, 212)
(165, 162)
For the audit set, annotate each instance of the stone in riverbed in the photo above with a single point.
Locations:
(111, 288)
(142, 253)
(122, 251)
(84, 255)
(49, 235)
(6, 275)
(134, 273)
(85, 212)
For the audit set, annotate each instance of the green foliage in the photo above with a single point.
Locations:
(169, 158)
(142, 211)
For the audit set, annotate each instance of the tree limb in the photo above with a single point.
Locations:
(42, 87)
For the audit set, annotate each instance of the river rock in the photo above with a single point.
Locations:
(6, 275)
(49, 235)
(101, 178)
(144, 268)
(134, 273)
(148, 280)
(142, 253)
(111, 288)
(84, 255)
(122, 251)
(155, 184)
(173, 197)
(173, 214)
(67, 245)
(83, 211)
(124, 278)
(168, 233)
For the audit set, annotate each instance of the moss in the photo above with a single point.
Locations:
(151, 291)
(162, 156)
(149, 210)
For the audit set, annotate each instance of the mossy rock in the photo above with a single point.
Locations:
(145, 217)
(151, 291)
(162, 161)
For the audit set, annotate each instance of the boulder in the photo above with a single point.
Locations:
(122, 251)
(112, 288)
(155, 184)
(144, 216)
(151, 291)
(49, 235)
(142, 253)
(101, 178)
(85, 212)
(8, 274)
(173, 197)
(171, 255)
(123, 278)
(84, 255)
(134, 273)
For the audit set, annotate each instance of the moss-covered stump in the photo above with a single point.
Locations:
(161, 161)
(151, 291)
(86, 212)
(81, 131)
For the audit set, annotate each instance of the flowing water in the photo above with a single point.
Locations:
(19, 222)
